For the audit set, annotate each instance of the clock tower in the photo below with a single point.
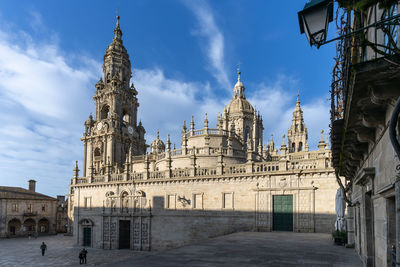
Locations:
(113, 136)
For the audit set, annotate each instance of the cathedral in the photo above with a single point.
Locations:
(220, 180)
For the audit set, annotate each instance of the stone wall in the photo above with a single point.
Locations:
(190, 209)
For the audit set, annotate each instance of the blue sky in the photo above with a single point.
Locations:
(184, 56)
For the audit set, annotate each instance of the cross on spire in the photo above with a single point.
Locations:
(238, 70)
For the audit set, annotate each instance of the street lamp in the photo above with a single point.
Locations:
(314, 20)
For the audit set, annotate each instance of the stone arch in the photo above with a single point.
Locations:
(97, 152)
(43, 226)
(86, 222)
(300, 148)
(30, 225)
(14, 226)
(105, 112)
(126, 117)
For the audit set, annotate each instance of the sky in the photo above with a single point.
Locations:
(184, 56)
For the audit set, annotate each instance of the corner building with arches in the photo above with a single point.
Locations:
(25, 212)
(220, 180)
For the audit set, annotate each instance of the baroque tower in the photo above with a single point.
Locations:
(113, 136)
(297, 134)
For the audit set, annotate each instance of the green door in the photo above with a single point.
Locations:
(87, 237)
(283, 213)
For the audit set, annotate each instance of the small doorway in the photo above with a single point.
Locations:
(283, 213)
(14, 226)
(87, 237)
(124, 234)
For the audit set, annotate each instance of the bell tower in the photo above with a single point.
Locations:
(113, 135)
(297, 134)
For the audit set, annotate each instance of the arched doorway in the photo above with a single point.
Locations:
(43, 226)
(14, 226)
(30, 226)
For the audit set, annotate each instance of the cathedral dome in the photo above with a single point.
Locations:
(157, 146)
(239, 105)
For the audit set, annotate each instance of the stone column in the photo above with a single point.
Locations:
(220, 163)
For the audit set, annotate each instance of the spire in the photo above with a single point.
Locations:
(184, 127)
(322, 136)
(205, 122)
(297, 134)
(238, 90)
(117, 31)
(168, 143)
(76, 170)
(192, 124)
(116, 61)
(158, 134)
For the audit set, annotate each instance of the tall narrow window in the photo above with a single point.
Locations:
(171, 204)
(300, 147)
(14, 207)
(227, 200)
(105, 110)
(197, 201)
(88, 202)
(30, 208)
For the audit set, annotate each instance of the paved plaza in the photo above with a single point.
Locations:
(239, 249)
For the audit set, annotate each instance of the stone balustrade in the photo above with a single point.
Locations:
(305, 161)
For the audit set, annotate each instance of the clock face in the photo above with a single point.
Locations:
(99, 126)
(130, 129)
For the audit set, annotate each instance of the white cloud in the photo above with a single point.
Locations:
(276, 101)
(208, 29)
(44, 102)
(166, 103)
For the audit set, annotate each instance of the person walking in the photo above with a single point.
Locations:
(43, 247)
(80, 257)
(84, 252)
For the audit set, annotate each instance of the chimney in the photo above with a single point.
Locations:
(32, 185)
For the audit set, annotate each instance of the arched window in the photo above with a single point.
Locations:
(97, 152)
(293, 149)
(125, 116)
(247, 134)
(300, 148)
(104, 112)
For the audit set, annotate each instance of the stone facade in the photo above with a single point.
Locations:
(219, 181)
(363, 104)
(25, 212)
(62, 215)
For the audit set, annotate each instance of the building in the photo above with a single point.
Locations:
(219, 181)
(365, 88)
(62, 215)
(24, 212)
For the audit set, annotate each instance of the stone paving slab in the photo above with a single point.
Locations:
(254, 249)
(238, 249)
(60, 252)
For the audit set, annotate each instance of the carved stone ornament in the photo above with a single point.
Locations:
(184, 201)
(282, 183)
